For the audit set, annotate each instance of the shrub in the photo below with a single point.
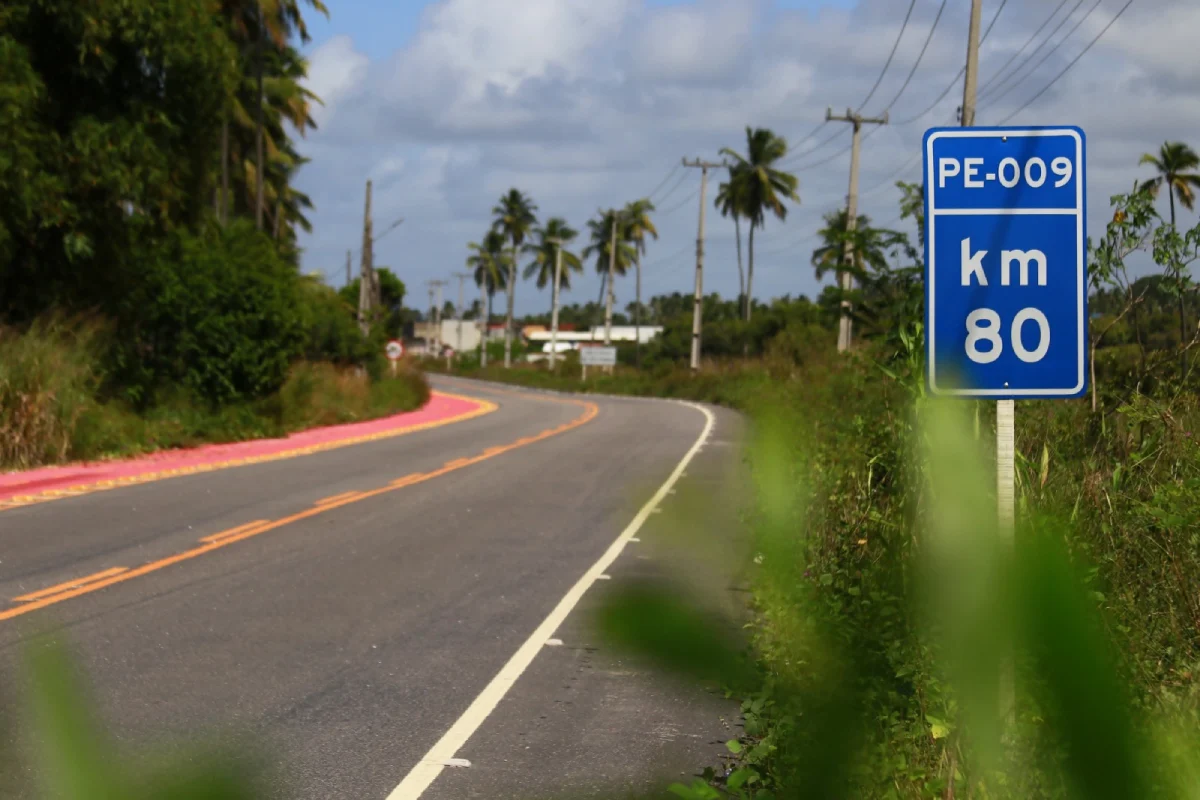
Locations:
(215, 314)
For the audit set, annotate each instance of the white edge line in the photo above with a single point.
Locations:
(433, 762)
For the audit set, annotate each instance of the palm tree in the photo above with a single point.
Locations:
(638, 226)
(868, 246)
(602, 247)
(760, 188)
(1176, 164)
(489, 262)
(729, 205)
(545, 253)
(515, 219)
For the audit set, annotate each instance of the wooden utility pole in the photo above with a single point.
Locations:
(558, 243)
(971, 78)
(366, 282)
(845, 279)
(349, 277)
(698, 303)
(484, 321)
(462, 276)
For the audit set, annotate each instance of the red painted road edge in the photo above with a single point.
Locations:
(440, 409)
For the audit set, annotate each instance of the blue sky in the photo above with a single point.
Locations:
(587, 104)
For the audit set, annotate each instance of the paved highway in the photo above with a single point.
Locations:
(366, 613)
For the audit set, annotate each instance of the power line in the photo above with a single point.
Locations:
(891, 56)
(1028, 42)
(1070, 33)
(679, 205)
(664, 182)
(687, 248)
(1017, 70)
(1074, 61)
(814, 148)
(920, 57)
(674, 188)
(957, 77)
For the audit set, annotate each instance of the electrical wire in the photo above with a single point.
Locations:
(793, 158)
(920, 56)
(988, 91)
(664, 181)
(1074, 61)
(664, 259)
(962, 71)
(1029, 41)
(681, 204)
(892, 55)
(1070, 33)
(674, 188)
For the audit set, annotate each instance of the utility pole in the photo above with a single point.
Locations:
(558, 243)
(484, 321)
(845, 326)
(349, 277)
(971, 80)
(366, 283)
(612, 269)
(698, 303)
(436, 286)
(462, 276)
(259, 165)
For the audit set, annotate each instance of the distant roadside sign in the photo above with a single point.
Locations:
(395, 350)
(598, 356)
(1005, 262)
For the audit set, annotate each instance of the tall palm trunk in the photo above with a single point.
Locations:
(603, 287)
(1182, 311)
(750, 273)
(737, 233)
(224, 208)
(637, 312)
(258, 122)
(508, 319)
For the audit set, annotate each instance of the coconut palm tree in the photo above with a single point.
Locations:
(1176, 164)
(728, 203)
(638, 226)
(545, 253)
(515, 219)
(489, 263)
(619, 255)
(868, 246)
(760, 188)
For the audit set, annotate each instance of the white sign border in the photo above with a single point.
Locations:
(1080, 212)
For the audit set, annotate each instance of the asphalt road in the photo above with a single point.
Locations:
(346, 644)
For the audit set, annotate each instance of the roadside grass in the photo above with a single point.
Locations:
(53, 407)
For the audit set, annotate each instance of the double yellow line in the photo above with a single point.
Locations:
(100, 580)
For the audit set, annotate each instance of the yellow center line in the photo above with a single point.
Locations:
(225, 538)
(71, 584)
(335, 498)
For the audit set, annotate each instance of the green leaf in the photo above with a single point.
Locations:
(734, 746)
(938, 728)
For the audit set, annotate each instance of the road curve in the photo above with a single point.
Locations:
(348, 609)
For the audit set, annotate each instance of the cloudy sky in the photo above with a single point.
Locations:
(591, 103)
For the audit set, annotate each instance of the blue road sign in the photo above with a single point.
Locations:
(1005, 271)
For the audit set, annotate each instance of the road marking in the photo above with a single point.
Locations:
(17, 501)
(247, 530)
(68, 585)
(216, 537)
(335, 498)
(433, 762)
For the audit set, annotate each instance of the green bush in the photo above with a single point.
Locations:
(215, 313)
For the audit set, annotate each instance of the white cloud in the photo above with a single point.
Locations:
(589, 103)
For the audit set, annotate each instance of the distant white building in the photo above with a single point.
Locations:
(427, 333)
(571, 340)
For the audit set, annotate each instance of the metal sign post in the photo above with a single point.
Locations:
(1006, 273)
(597, 357)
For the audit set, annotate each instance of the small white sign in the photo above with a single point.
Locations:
(395, 350)
(598, 356)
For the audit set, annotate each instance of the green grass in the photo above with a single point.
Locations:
(53, 409)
